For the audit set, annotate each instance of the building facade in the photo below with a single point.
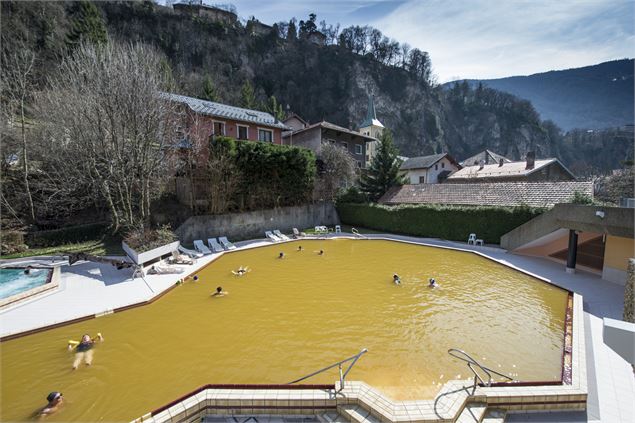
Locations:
(429, 169)
(213, 13)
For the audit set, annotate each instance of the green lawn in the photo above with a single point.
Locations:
(105, 245)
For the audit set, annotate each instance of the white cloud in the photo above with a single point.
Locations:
(490, 39)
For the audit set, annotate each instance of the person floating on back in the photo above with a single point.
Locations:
(219, 292)
(321, 253)
(432, 283)
(54, 403)
(84, 349)
(241, 271)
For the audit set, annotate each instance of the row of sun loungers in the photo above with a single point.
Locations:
(213, 245)
(276, 236)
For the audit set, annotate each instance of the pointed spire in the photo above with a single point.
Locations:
(371, 115)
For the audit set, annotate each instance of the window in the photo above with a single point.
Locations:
(358, 149)
(243, 132)
(442, 165)
(359, 164)
(219, 128)
(265, 135)
(436, 167)
(422, 179)
(345, 145)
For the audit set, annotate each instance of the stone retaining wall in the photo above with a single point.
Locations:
(240, 226)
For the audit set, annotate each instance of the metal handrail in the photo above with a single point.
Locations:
(462, 355)
(356, 232)
(343, 375)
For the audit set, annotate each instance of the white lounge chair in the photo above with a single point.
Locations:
(191, 253)
(281, 235)
(201, 248)
(297, 233)
(471, 239)
(161, 270)
(214, 245)
(225, 243)
(180, 258)
(272, 237)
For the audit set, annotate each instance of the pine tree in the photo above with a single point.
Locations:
(384, 169)
(209, 90)
(87, 25)
(292, 32)
(248, 97)
(274, 108)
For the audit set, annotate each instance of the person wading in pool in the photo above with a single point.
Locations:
(396, 279)
(55, 400)
(433, 283)
(219, 292)
(281, 255)
(84, 350)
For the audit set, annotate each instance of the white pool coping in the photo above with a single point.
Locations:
(93, 289)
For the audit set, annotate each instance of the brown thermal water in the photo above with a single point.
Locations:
(289, 317)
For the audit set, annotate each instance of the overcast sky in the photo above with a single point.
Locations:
(480, 38)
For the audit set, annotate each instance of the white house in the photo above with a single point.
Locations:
(429, 169)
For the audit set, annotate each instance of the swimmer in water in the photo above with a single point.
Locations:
(320, 253)
(84, 350)
(396, 279)
(55, 400)
(281, 255)
(29, 270)
(241, 271)
(195, 278)
(219, 292)
(299, 248)
(433, 283)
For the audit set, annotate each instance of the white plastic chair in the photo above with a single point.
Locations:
(472, 239)
(338, 229)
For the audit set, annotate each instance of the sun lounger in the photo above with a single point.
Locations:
(214, 245)
(201, 248)
(272, 237)
(225, 243)
(297, 233)
(180, 259)
(281, 235)
(190, 253)
(158, 270)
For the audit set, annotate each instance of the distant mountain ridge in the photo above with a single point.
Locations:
(592, 97)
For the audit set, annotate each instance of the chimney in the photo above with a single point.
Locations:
(531, 160)
(500, 162)
(481, 165)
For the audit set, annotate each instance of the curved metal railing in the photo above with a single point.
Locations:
(472, 363)
(353, 359)
(357, 233)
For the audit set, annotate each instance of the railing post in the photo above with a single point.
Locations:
(341, 378)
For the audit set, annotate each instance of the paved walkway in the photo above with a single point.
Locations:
(91, 288)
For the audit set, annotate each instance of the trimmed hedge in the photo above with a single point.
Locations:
(431, 221)
(70, 235)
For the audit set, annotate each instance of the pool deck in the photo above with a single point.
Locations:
(88, 289)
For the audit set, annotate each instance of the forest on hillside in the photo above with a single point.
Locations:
(283, 71)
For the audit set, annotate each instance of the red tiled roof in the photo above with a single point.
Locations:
(535, 194)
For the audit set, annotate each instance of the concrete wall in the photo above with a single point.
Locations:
(616, 255)
(239, 226)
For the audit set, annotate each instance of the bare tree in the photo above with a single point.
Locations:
(110, 128)
(17, 88)
(336, 170)
(223, 179)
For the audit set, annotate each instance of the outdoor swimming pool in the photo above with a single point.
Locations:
(289, 317)
(14, 281)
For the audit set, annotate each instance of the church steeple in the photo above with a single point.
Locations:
(371, 116)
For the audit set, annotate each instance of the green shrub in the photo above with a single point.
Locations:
(72, 234)
(581, 198)
(433, 221)
(352, 195)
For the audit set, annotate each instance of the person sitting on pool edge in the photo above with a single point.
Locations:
(54, 402)
(219, 292)
(433, 283)
(396, 279)
(83, 350)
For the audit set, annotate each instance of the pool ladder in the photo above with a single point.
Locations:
(356, 232)
(353, 359)
(472, 364)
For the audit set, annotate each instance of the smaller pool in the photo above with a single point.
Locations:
(14, 281)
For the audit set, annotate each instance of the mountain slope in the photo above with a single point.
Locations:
(591, 97)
